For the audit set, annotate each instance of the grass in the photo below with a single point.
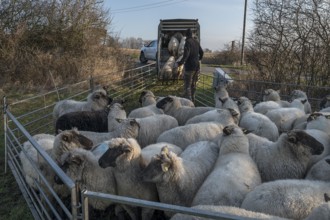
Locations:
(12, 204)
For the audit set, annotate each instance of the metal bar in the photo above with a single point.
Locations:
(156, 205)
(5, 123)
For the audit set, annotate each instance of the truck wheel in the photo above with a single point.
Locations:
(143, 58)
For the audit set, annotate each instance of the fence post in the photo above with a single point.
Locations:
(91, 83)
(5, 129)
(75, 201)
(84, 201)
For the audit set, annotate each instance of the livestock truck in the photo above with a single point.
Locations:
(168, 28)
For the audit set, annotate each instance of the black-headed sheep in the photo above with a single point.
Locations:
(124, 155)
(171, 105)
(288, 157)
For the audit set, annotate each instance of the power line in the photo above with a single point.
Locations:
(146, 6)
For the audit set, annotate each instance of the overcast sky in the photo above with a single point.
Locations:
(221, 21)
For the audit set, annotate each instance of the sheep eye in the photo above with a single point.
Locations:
(96, 96)
(65, 138)
(292, 139)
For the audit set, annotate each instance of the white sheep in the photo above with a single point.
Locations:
(254, 122)
(124, 155)
(322, 212)
(325, 102)
(126, 128)
(264, 107)
(178, 178)
(183, 136)
(324, 139)
(116, 111)
(148, 101)
(227, 212)
(288, 157)
(274, 95)
(234, 173)
(147, 97)
(183, 101)
(221, 96)
(222, 116)
(284, 117)
(82, 166)
(320, 170)
(256, 142)
(55, 146)
(97, 100)
(181, 46)
(171, 105)
(152, 126)
(294, 199)
(319, 121)
(167, 72)
(299, 94)
(151, 150)
(173, 46)
(327, 109)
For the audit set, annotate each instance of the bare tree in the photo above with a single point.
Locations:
(290, 41)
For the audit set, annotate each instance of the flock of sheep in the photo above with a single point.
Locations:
(267, 161)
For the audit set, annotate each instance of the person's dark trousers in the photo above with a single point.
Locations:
(190, 81)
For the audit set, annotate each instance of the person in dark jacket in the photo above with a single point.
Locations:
(192, 55)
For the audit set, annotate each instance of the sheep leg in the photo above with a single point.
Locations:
(132, 212)
(147, 213)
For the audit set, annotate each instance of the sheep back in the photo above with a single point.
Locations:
(183, 136)
(294, 199)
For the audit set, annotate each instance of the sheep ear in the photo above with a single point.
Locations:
(76, 159)
(326, 197)
(164, 150)
(233, 112)
(292, 138)
(165, 166)
(85, 142)
(59, 131)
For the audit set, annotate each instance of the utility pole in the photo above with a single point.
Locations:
(243, 37)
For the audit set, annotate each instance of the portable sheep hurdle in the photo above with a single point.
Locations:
(37, 118)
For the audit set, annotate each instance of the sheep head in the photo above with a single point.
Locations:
(72, 163)
(120, 154)
(303, 144)
(158, 167)
(68, 140)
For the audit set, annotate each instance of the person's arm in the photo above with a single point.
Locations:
(201, 53)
